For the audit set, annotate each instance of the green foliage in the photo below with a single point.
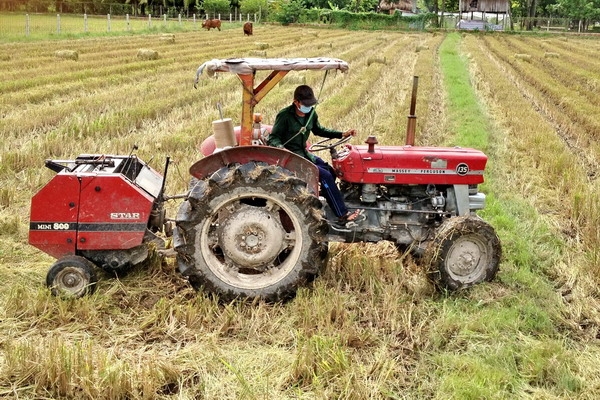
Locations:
(215, 7)
(367, 20)
(288, 11)
(437, 5)
(350, 5)
(361, 5)
(254, 7)
(578, 9)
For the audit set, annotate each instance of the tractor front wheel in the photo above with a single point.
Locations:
(72, 277)
(251, 231)
(465, 251)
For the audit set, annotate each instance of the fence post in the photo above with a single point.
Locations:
(149, 20)
(164, 20)
(27, 24)
(194, 19)
(179, 19)
(108, 22)
(57, 23)
(85, 23)
(128, 27)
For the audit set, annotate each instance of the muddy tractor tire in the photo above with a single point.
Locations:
(251, 231)
(465, 251)
(71, 277)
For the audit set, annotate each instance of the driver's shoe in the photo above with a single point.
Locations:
(353, 218)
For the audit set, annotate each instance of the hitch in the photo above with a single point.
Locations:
(158, 220)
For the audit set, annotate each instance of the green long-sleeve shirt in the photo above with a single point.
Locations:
(288, 123)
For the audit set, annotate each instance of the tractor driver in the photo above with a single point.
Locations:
(291, 130)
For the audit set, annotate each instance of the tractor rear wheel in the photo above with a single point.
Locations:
(72, 277)
(465, 251)
(251, 231)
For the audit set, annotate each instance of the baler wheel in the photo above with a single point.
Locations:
(251, 231)
(465, 251)
(72, 277)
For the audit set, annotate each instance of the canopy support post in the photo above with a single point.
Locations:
(250, 98)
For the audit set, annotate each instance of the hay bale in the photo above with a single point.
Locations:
(147, 54)
(294, 80)
(67, 54)
(524, 57)
(262, 46)
(167, 37)
(374, 60)
(551, 55)
(321, 45)
(258, 53)
(421, 47)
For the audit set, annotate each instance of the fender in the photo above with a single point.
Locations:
(301, 167)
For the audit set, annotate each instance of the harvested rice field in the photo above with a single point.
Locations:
(372, 326)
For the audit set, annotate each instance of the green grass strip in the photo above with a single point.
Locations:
(467, 119)
(502, 340)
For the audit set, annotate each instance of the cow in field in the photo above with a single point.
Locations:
(248, 28)
(211, 23)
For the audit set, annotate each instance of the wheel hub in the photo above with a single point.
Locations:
(251, 237)
(464, 258)
(71, 279)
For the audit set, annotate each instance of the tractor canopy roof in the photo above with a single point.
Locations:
(252, 93)
(250, 65)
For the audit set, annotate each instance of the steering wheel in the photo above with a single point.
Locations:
(326, 145)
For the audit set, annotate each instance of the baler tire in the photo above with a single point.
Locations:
(464, 252)
(71, 277)
(251, 231)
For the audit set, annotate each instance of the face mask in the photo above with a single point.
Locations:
(304, 109)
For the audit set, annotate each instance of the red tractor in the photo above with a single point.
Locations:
(253, 224)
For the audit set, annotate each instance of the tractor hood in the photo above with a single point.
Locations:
(410, 165)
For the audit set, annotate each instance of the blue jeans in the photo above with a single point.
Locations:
(329, 189)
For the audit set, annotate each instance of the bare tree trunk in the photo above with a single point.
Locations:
(531, 13)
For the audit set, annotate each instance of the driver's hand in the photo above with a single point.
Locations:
(349, 132)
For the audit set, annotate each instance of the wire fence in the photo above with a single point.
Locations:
(548, 24)
(93, 8)
(18, 24)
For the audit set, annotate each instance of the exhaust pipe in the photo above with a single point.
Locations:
(411, 126)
